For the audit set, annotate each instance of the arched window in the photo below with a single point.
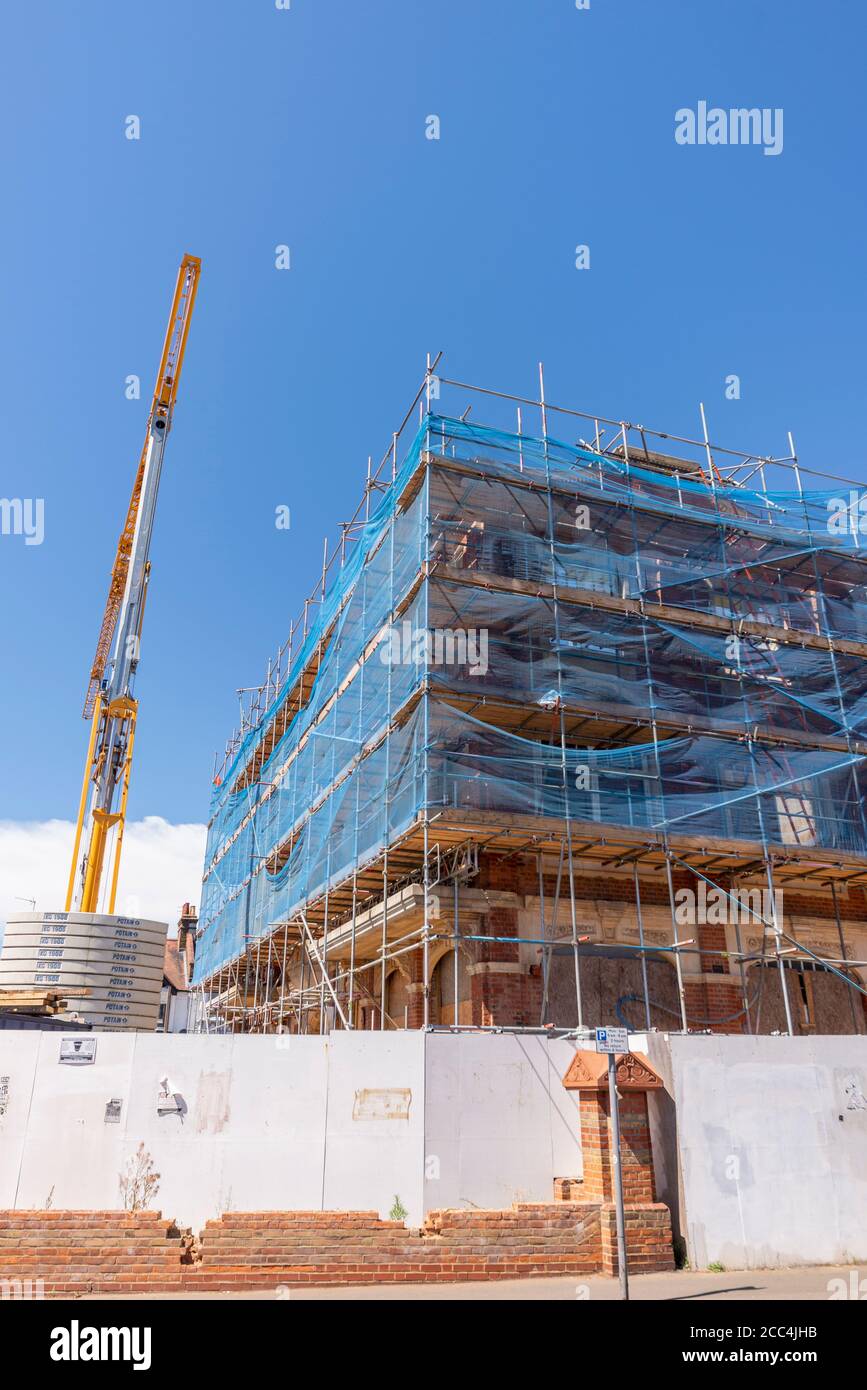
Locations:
(396, 1000)
(442, 1002)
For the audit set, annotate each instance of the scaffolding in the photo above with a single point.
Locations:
(625, 652)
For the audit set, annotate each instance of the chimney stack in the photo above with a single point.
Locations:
(187, 923)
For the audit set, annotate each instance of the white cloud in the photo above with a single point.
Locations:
(161, 867)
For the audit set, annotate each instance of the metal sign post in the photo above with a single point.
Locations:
(612, 1041)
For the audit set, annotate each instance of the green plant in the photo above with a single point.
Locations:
(398, 1211)
(716, 1268)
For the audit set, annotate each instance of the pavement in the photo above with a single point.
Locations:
(812, 1284)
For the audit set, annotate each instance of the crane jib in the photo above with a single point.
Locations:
(109, 702)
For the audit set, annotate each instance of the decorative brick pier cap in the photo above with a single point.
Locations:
(588, 1071)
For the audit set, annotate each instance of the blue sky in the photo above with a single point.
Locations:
(307, 127)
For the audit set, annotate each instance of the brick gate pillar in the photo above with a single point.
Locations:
(648, 1222)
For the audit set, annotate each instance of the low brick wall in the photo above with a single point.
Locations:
(261, 1250)
(79, 1252)
(75, 1252)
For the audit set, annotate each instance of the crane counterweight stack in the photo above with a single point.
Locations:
(109, 702)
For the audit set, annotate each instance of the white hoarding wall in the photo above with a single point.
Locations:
(499, 1124)
(233, 1122)
(770, 1138)
(251, 1123)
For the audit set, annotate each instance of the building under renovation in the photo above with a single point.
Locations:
(571, 732)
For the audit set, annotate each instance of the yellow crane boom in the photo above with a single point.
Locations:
(109, 703)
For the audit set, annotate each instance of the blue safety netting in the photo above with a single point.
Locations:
(413, 704)
(798, 517)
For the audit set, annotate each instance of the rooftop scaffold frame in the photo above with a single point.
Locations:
(673, 684)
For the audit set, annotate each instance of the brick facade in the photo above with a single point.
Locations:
(715, 1006)
(508, 991)
(414, 964)
(503, 989)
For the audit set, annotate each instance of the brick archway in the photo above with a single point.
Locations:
(442, 985)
